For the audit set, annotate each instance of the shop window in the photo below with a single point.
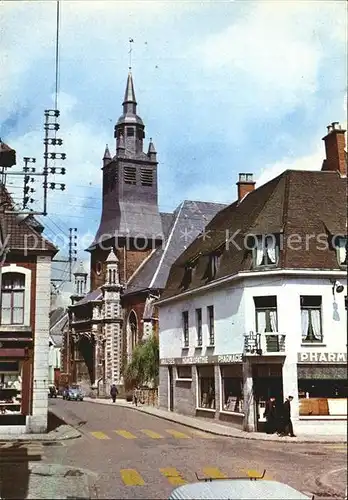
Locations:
(184, 372)
(266, 251)
(342, 251)
(266, 314)
(185, 328)
(199, 327)
(211, 331)
(12, 299)
(311, 323)
(232, 388)
(10, 387)
(206, 387)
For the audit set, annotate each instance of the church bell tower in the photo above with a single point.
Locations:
(130, 200)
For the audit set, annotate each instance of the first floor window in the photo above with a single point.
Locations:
(232, 388)
(206, 387)
(185, 327)
(12, 299)
(199, 327)
(266, 314)
(311, 318)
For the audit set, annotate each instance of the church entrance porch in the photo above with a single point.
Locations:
(84, 362)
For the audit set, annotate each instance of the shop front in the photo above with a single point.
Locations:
(15, 377)
(322, 384)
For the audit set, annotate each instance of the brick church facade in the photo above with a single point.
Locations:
(131, 255)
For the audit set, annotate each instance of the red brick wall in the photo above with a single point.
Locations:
(129, 261)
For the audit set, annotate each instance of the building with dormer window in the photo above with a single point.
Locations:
(269, 317)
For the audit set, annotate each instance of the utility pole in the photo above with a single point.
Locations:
(72, 256)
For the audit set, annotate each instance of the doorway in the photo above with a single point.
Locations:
(171, 389)
(267, 382)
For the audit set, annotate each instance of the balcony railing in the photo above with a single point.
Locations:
(264, 343)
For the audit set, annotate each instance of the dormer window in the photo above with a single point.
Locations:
(186, 280)
(342, 250)
(213, 265)
(266, 251)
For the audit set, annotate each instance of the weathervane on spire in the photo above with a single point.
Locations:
(130, 53)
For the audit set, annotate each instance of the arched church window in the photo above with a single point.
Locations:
(98, 268)
(110, 276)
(132, 331)
(114, 276)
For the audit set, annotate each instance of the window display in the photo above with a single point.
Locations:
(10, 388)
(232, 388)
(206, 387)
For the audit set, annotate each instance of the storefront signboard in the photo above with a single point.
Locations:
(222, 359)
(322, 357)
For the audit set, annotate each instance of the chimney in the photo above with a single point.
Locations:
(335, 149)
(245, 185)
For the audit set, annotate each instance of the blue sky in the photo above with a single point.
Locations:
(223, 87)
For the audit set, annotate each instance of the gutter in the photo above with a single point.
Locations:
(257, 274)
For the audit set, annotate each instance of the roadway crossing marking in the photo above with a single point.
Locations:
(214, 473)
(204, 435)
(100, 435)
(125, 434)
(173, 476)
(177, 434)
(131, 477)
(152, 434)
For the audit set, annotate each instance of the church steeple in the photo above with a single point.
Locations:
(130, 126)
(129, 102)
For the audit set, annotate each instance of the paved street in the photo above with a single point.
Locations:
(127, 454)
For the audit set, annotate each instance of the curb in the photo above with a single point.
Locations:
(198, 426)
(326, 485)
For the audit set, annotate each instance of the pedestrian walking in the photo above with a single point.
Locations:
(113, 393)
(271, 416)
(288, 428)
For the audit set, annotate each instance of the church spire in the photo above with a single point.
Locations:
(129, 95)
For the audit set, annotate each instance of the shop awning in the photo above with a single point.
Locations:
(322, 372)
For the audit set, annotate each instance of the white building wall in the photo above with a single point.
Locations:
(234, 315)
(37, 422)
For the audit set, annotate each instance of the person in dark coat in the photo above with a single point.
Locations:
(271, 416)
(288, 428)
(113, 392)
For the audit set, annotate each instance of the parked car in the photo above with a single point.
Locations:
(52, 391)
(73, 393)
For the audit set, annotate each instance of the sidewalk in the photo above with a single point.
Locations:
(220, 429)
(60, 432)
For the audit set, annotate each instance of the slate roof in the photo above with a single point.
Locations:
(188, 220)
(295, 202)
(59, 319)
(96, 294)
(22, 233)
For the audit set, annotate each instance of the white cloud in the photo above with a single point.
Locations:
(277, 48)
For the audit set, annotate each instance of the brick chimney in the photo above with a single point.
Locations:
(245, 185)
(335, 149)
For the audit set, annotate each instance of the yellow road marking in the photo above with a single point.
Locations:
(152, 434)
(214, 473)
(256, 473)
(177, 434)
(173, 476)
(100, 435)
(125, 434)
(131, 477)
(204, 435)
